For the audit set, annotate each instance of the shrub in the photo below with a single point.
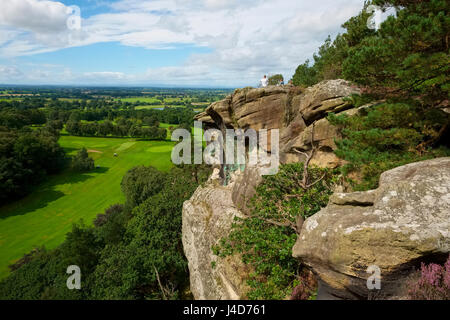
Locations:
(267, 247)
(433, 284)
(102, 218)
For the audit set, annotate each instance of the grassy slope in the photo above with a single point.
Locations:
(46, 215)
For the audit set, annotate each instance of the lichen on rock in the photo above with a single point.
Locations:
(404, 221)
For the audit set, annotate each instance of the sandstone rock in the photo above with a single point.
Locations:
(323, 139)
(395, 227)
(207, 217)
(289, 109)
(244, 188)
(324, 97)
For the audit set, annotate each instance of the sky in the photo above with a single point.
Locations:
(206, 43)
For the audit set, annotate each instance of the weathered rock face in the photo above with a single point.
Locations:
(207, 217)
(404, 221)
(289, 109)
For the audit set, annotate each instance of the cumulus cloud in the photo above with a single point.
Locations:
(246, 37)
(34, 15)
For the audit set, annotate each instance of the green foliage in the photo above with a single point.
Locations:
(408, 53)
(68, 196)
(407, 56)
(386, 136)
(140, 183)
(152, 241)
(44, 276)
(276, 79)
(121, 257)
(26, 157)
(266, 247)
(305, 75)
(82, 162)
(328, 61)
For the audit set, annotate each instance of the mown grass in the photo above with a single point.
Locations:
(47, 214)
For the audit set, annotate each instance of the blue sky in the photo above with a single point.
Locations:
(223, 43)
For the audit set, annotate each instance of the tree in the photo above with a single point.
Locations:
(82, 162)
(328, 61)
(26, 157)
(275, 79)
(305, 75)
(140, 183)
(408, 55)
(73, 127)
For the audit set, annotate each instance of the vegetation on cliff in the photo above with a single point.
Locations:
(406, 64)
(407, 56)
(265, 239)
(387, 136)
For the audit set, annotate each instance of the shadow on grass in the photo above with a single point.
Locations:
(46, 193)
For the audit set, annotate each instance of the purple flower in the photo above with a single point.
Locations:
(433, 284)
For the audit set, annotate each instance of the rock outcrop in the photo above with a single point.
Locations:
(404, 221)
(208, 215)
(289, 109)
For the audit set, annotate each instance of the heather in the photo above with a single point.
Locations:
(433, 284)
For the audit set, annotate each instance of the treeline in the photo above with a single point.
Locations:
(87, 110)
(14, 115)
(133, 251)
(125, 128)
(26, 158)
(128, 122)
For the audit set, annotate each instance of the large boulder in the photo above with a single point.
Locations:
(405, 221)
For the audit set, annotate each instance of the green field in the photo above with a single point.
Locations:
(148, 107)
(47, 214)
(135, 99)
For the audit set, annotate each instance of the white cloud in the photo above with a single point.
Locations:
(10, 73)
(34, 15)
(247, 38)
